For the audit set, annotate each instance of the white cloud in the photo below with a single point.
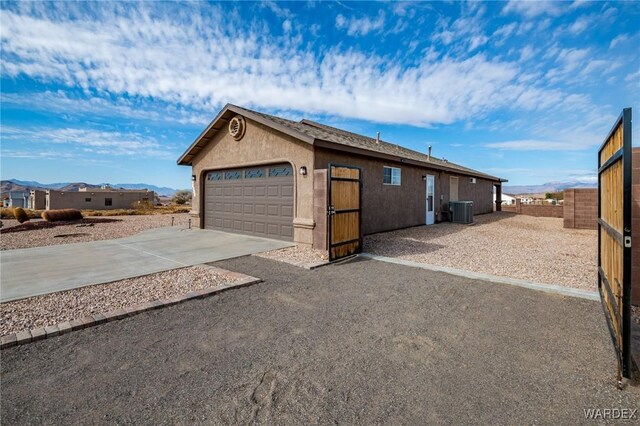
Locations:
(69, 140)
(618, 40)
(505, 31)
(527, 53)
(62, 103)
(193, 65)
(535, 145)
(360, 26)
(580, 25)
(532, 9)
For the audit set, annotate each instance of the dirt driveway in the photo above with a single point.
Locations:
(506, 244)
(358, 343)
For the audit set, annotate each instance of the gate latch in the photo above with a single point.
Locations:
(627, 241)
(331, 211)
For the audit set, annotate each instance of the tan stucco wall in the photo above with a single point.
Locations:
(261, 145)
(38, 199)
(77, 199)
(387, 207)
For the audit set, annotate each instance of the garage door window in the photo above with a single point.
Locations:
(280, 171)
(254, 173)
(233, 175)
(214, 176)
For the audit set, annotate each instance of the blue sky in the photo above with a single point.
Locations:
(522, 90)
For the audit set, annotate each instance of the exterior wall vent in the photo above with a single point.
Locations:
(472, 180)
(237, 127)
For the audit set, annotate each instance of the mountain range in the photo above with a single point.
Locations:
(25, 185)
(546, 187)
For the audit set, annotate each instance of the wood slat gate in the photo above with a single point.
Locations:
(344, 212)
(614, 237)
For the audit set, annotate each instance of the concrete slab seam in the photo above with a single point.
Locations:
(547, 288)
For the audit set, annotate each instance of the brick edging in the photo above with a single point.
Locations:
(33, 335)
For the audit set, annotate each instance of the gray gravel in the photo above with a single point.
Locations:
(517, 246)
(363, 342)
(124, 227)
(55, 308)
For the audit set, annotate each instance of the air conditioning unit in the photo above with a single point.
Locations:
(461, 211)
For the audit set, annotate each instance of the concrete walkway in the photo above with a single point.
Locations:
(42, 270)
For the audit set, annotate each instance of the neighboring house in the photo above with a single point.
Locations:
(16, 199)
(263, 175)
(96, 199)
(507, 200)
(37, 199)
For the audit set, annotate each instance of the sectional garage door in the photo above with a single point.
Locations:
(253, 200)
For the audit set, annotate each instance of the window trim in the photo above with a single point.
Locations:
(391, 183)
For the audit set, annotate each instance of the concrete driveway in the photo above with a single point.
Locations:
(363, 342)
(42, 270)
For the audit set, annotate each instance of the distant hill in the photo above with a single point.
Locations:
(24, 185)
(546, 187)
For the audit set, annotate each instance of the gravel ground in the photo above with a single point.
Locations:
(297, 256)
(517, 246)
(123, 227)
(55, 308)
(363, 342)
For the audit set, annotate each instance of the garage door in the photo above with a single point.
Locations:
(254, 200)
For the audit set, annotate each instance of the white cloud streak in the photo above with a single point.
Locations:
(199, 64)
(71, 141)
(360, 26)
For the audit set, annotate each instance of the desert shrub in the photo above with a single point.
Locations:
(20, 215)
(63, 215)
(7, 213)
(144, 205)
(182, 196)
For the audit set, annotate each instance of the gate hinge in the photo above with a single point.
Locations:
(331, 211)
(627, 241)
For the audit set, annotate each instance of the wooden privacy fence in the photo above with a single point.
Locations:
(614, 237)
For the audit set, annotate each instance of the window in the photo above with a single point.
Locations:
(214, 176)
(253, 173)
(233, 174)
(391, 176)
(87, 200)
(108, 202)
(280, 171)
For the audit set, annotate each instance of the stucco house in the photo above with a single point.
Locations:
(96, 198)
(16, 199)
(263, 175)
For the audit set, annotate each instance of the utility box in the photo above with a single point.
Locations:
(461, 211)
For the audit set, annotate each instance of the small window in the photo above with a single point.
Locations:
(87, 200)
(214, 176)
(391, 176)
(108, 202)
(254, 173)
(233, 174)
(280, 171)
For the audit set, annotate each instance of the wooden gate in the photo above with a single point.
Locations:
(614, 237)
(345, 216)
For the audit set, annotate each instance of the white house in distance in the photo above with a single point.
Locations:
(506, 199)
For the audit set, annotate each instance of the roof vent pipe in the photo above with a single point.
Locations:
(429, 153)
(377, 137)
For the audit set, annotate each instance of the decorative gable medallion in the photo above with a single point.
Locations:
(237, 127)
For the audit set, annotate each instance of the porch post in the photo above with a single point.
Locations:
(498, 197)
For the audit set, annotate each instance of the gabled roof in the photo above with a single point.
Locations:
(326, 136)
